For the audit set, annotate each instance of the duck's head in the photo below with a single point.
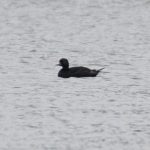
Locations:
(64, 63)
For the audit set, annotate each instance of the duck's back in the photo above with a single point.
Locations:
(78, 72)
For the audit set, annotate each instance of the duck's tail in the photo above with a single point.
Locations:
(99, 70)
(95, 72)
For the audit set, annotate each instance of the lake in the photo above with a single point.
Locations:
(39, 111)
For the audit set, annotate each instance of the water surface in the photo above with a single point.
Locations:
(39, 111)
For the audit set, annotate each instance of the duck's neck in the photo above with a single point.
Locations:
(65, 68)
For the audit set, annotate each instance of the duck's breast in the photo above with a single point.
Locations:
(63, 73)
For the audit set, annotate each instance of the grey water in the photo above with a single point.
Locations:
(39, 111)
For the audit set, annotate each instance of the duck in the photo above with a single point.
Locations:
(78, 72)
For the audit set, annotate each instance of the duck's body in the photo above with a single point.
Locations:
(67, 72)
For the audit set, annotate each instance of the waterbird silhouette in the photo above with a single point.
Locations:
(67, 72)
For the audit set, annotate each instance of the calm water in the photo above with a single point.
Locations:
(39, 111)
